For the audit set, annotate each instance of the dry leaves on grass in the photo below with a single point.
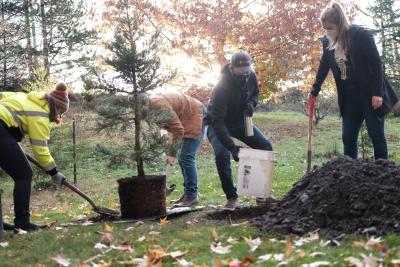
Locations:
(253, 243)
(3, 244)
(317, 264)
(374, 243)
(61, 261)
(312, 236)
(365, 261)
(220, 249)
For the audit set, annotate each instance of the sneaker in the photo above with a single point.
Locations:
(179, 200)
(266, 200)
(187, 202)
(29, 227)
(231, 204)
(170, 189)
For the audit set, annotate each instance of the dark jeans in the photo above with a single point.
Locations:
(15, 164)
(356, 108)
(222, 154)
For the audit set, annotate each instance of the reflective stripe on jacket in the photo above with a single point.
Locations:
(30, 113)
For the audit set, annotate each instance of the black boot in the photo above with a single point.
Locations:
(8, 227)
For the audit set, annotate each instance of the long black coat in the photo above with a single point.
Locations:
(366, 66)
(227, 104)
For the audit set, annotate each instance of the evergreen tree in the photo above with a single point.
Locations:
(386, 17)
(11, 33)
(135, 63)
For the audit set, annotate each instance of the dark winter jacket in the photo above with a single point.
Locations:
(366, 67)
(228, 102)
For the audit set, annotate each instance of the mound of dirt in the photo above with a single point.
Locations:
(343, 196)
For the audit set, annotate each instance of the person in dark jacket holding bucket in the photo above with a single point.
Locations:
(350, 52)
(234, 97)
(28, 114)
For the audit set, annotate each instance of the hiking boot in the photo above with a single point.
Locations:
(8, 227)
(179, 200)
(29, 227)
(170, 189)
(266, 200)
(187, 202)
(230, 204)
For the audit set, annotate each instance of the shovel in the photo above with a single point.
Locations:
(311, 104)
(98, 209)
(172, 187)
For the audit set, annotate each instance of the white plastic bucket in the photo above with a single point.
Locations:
(255, 172)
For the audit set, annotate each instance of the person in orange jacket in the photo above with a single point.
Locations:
(28, 114)
(183, 121)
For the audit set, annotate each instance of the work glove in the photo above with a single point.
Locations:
(249, 110)
(235, 153)
(58, 178)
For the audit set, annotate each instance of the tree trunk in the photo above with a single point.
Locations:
(34, 42)
(45, 39)
(4, 46)
(27, 4)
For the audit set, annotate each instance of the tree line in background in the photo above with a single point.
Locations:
(281, 35)
(41, 36)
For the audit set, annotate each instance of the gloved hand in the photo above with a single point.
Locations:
(235, 153)
(249, 110)
(58, 178)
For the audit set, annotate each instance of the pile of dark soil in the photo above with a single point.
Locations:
(343, 196)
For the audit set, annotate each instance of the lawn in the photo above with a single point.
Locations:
(124, 244)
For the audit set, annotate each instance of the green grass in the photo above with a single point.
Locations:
(192, 233)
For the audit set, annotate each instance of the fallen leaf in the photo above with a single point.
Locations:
(88, 222)
(288, 247)
(108, 228)
(140, 222)
(312, 236)
(3, 244)
(395, 262)
(100, 246)
(265, 257)
(219, 249)
(316, 264)
(154, 233)
(129, 228)
(141, 239)
(163, 221)
(61, 261)
(253, 243)
(20, 231)
(241, 224)
(107, 237)
(232, 241)
(176, 254)
(156, 254)
(124, 248)
(214, 234)
(183, 262)
(51, 224)
(316, 254)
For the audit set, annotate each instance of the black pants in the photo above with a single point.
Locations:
(15, 164)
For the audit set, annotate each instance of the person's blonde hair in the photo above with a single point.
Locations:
(334, 13)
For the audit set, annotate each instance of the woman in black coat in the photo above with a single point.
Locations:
(350, 52)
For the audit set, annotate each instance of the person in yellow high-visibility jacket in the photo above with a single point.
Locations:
(28, 114)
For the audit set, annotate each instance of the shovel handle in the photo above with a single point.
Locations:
(67, 184)
(79, 192)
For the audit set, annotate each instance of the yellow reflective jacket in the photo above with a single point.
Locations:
(30, 113)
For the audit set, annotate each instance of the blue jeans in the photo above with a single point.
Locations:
(356, 108)
(223, 155)
(187, 163)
